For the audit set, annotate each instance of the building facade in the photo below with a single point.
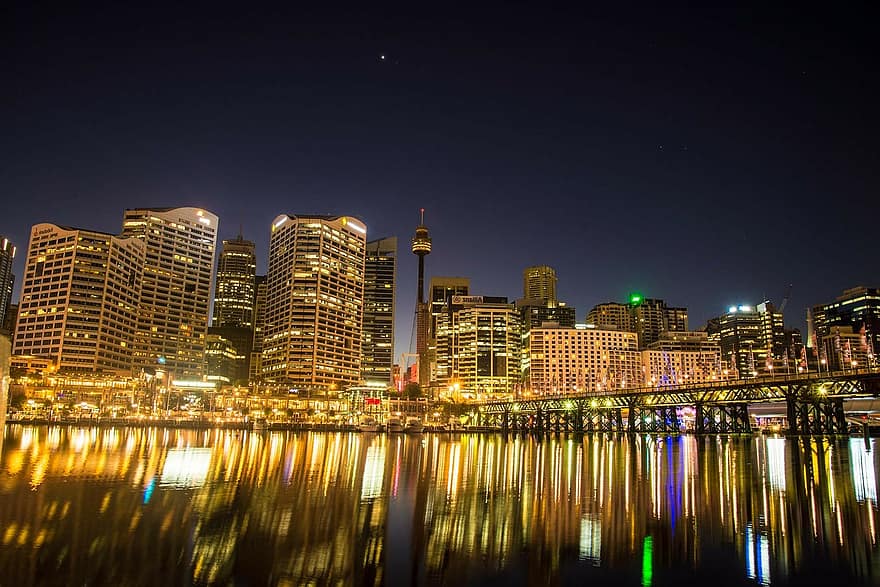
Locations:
(478, 347)
(647, 317)
(79, 299)
(173, 315)
(314, 302)
(539, 283)
(569, 360)
(857, 308)
(256, 362)
(7, 278)
(234, 298)
(679, 358)
(752, 340)
(380, 284)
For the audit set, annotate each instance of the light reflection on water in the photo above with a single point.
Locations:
(153, 506)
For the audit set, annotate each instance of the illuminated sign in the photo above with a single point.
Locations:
(467, 299)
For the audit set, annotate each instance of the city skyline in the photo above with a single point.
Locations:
(703, 158)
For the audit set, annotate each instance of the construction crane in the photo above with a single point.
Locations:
(785, 299)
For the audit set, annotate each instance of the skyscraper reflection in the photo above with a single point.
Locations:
(148, 506)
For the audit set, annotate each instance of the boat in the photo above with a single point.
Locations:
(394, 425)
(414, 425)
(368, 424)
(260, 425)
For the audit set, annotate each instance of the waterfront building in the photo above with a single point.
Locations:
(314, 301)
(611, 316)
(478, 346)
(380, 279)
(539, 283)
(752, 340)
(172, 323)
(79, 299)
(682, 357)
(857, 308)
(7, 278)
(842, 349)
(534, 313)
(567, 360)
(222, 359)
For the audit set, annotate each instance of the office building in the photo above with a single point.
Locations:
(752, 340)
(222, 359)
(647, 317)
(842, 349)
(539, 283)
(681, 357)
(441, 292)
(857, 308)
(7, 278)
(175, 297)
(256, 362)
(234, 298)
(380, 278)
(568, 360)
(478, 346)
(79, 299)
(234, 293)
(314, 302)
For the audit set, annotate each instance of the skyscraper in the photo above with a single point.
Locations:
(539, 283)
(857, 308)
(256, 362)
(478, 346)
(7, 279)
(380, 278)
(173, 316)
(234, 293)
(234, 299)
(752, 339)
(314, 301)
(79, 299)
(647, 317)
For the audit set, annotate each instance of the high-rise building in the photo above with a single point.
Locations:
(535, 313)
(7, 278)
(256, 362)
(380, 279)
(611, 316)
(222, 359)
(79, 299)
(857, 308)
(314, 301)
(175, 298)
(752, 340)
(647, 317)
(234, 297)
(566, 360)
(478, 346)
(539, 283)
(442, 291)
(234, 293)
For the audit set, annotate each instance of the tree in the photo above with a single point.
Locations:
(412, 390)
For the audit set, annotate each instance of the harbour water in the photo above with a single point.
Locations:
(136, 506)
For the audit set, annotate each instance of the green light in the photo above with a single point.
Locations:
(635, 299)
(647, 561)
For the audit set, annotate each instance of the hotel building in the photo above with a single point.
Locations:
(566, 360)
(79, 299)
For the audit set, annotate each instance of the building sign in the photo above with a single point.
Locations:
(467, 300)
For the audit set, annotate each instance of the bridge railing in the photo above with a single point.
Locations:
(785, 378)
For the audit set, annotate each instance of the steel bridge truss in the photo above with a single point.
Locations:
(814, 406)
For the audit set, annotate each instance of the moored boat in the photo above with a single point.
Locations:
(368, 424)
(414, 425)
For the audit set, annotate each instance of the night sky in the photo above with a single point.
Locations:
(704, 158)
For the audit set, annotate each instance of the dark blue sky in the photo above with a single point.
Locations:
(704, 158)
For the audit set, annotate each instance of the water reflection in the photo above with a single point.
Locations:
(151, 506)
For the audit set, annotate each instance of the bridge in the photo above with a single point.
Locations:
(814, 404)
